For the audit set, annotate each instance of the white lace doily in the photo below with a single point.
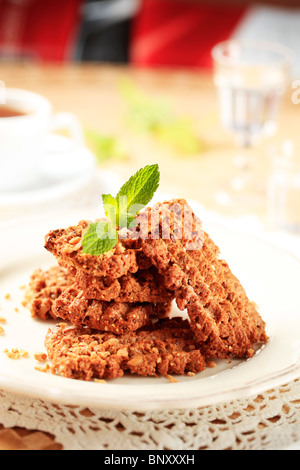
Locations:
(268, 421)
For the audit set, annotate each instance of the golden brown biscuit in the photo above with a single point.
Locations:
(167, 347)
(66, 246)
(115, 317)
(223, 319)
(44, 287)
(145, 285)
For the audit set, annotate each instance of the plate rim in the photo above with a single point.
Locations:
(239, 393)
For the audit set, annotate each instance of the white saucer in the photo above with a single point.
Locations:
(64, 169)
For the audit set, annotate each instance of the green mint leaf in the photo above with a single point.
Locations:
(126, 220)
(138, 191)
(100, 237)
(133, 196)
(111, 208)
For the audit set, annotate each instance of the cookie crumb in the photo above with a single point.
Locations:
(7, 296)
(100, 381)
(43, 369)
(2, 320)
(16, 309)
(191, 374)
(171, 378)
(211, 364)
(40, 356)
(15, 353)
(2, 330)
(250, 352)
(23, 353)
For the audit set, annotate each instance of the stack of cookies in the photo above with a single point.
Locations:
(118, 292)
(117, 305)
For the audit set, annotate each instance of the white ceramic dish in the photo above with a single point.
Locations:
(270, 275)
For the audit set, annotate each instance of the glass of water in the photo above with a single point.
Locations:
(251, 77)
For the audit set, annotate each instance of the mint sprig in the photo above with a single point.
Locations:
(99, 238)
(120, 210)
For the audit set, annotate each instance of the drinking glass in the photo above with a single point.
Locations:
(251, 77)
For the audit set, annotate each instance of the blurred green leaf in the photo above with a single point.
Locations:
(105, 147)
(155, 117)
(182, 136)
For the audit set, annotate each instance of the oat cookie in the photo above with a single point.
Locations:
(168, 347)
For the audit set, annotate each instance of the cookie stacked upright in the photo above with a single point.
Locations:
(118, 303)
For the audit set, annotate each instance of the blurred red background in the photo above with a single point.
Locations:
(152, 33)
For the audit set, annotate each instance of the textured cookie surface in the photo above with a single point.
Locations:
(146, 285)
(44, 287)
(115, 317)
(66, 245)
(167, 347)
(222, 317)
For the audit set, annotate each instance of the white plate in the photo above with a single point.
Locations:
(270, 276)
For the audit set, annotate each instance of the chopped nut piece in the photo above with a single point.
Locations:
(211, 364)
(23, 353)
(43, 369)
(250, 352)
(171, 379)
(40, 356)
(15, 353)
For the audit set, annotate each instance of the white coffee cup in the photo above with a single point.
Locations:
(22, 138)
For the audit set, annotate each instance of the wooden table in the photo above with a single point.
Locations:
(91, 92)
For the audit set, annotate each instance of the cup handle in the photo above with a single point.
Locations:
(61, 151)
(67, 122)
